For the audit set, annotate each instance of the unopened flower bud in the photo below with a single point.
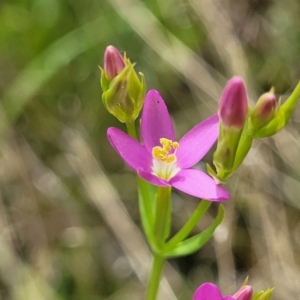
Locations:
(244, 293)
(281, 116)
(113, 62)
(264, 110)
(233, 107)
(123, 91)
(233, 111)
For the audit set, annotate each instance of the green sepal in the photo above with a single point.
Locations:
(228, 141)
(147, 193)
(194, 243)
(228, 155)
(104, 81)
(244, 146)
(213, 173)
(276, 124)
(221, 177)
(137, 92)
(115, 96)
(281, 117)
(263, 295)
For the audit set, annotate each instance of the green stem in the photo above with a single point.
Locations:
(161, 226)
(146, 208)
(161, 231)
(162, 214)
(189, 225)
(153, 284)
(131, 129)
(146, 197)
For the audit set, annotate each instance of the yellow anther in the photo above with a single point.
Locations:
(163, 141)
(175, 145)
(163, 153)
(170, 158)
(159, 153)
(167, 144)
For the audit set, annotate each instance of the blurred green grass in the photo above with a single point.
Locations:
(69, 226)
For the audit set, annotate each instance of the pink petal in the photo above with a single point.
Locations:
(113, 62)
(197, 142)
(134, 154)
(233, 106)
(156, 122)
(208, 291)
(152, 178)
(199, 184)
(244, 293)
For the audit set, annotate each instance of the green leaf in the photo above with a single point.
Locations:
(191, 223)
(104, 81)
(276, 124)
(196, 242)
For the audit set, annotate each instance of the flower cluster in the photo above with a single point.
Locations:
(163, 162)
(240, 125)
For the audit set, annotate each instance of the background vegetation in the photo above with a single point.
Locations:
(69, 223)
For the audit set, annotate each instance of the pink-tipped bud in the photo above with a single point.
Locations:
(265, 108)
(113, 62)
(244, 293)
(233, 107)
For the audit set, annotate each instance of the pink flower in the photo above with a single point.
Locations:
(209, 291)
(163, 161)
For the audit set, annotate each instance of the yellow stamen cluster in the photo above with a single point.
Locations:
(162, 153)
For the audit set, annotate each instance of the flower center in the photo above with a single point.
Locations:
(164, 159)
